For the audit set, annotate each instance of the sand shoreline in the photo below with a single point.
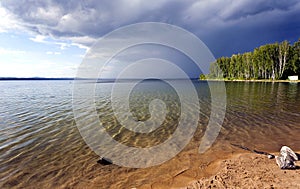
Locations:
(248, 170)
(219, 169)
(230, 168)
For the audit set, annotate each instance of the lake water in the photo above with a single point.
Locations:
(41, 147)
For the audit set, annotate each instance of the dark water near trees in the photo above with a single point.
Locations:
(40, 145)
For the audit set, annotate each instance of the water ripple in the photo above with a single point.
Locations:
(41, 146)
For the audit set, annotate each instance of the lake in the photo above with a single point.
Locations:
(41, 146)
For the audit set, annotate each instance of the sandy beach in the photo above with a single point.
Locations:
(249, 170)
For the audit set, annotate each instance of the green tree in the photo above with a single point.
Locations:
(270, 61)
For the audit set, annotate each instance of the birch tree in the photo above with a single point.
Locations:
(282, 56)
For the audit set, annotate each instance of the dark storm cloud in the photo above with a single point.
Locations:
(244, 9)
(226, 26)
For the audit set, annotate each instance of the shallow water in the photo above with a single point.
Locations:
(40, 145)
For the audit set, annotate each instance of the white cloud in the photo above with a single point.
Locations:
(53, 53)
(39, 39)
(49, 14)
(7, 21)
(10, 52)
(37, 68)
(63, 44)
(83, 42)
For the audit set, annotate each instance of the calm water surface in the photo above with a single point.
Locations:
(41, 147)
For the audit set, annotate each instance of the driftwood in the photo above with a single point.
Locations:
(270, 156)
(286, 160)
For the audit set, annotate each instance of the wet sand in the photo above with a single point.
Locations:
(230, 168)
(233, 168)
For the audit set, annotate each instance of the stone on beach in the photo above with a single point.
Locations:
(287, 158)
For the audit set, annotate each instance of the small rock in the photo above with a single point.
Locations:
(270, 156)
(104, 161)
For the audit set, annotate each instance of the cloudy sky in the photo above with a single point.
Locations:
(49, 38)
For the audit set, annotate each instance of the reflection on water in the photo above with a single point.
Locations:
(41, 147)
(265, 115)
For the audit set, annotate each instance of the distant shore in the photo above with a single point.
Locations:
(113, 80)
(31, 78)
(253, 80)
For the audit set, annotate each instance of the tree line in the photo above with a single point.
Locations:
(270, 61)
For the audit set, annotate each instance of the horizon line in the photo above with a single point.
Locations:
(74, 78)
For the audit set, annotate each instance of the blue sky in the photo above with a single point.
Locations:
(49, 38)
(22, 56)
